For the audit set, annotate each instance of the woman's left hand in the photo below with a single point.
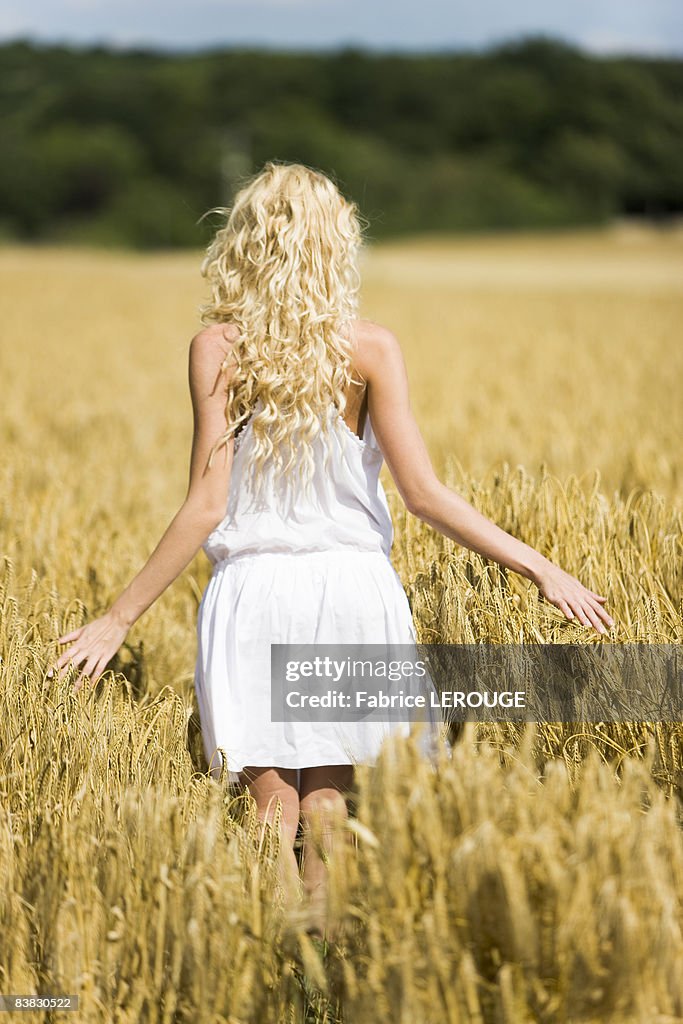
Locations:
(96, 643)
(571, 597)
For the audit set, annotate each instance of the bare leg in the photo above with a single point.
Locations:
(323, 808)
(268, 786)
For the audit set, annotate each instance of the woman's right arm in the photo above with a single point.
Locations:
(95, 643)
(380, 361)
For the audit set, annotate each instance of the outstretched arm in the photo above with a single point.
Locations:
(381, 363)
(203, 508)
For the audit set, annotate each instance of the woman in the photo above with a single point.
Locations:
(306, 401)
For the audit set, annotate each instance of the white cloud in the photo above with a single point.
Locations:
(13, 23)
(607, 42)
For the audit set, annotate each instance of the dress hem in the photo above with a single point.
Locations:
(296, 767)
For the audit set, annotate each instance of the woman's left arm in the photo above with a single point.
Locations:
(204, 507)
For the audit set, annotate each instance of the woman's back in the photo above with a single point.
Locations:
(345, 506)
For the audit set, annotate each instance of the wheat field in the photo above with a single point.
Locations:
(537, 874)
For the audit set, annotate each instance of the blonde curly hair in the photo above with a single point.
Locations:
(284, 270)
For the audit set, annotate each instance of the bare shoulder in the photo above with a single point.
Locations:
(215, 337)
(208, 350)
(374, 346)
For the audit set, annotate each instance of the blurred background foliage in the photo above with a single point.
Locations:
(130, 148)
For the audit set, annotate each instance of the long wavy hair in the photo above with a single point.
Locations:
(284, 270)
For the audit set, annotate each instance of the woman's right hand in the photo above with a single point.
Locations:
(571, 597)
(92, 645)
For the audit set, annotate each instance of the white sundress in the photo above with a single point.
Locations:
(302, 570)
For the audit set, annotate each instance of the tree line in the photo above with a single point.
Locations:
(131, 148)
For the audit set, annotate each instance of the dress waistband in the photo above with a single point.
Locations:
(323, 554)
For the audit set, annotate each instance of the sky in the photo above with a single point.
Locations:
(599, 26)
